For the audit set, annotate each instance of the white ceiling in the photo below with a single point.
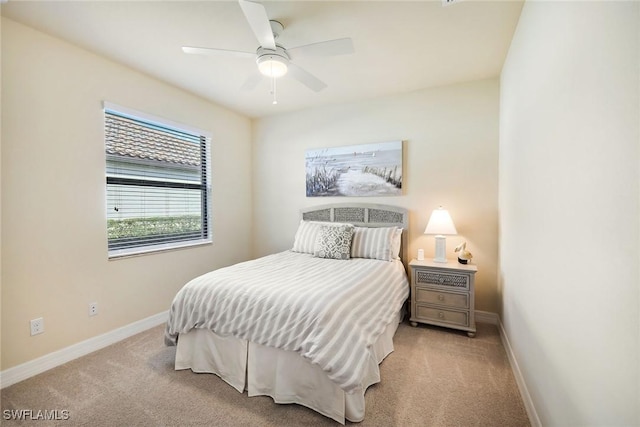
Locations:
(400, 46)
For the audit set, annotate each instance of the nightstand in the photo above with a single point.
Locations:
(443, 294)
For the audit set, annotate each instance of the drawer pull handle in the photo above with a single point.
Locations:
(440, 297)
(441, 315)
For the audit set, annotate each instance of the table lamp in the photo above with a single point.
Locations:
(440, 224)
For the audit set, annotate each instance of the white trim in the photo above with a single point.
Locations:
(34, 367)
(49, 361)
(146, 250)
(487, 317)
(106, 105)
(522, 385)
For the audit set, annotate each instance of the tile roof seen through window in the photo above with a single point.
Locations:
(128, 138)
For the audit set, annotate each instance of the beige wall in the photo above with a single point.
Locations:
(569, 209)
(0, 191)
(450, 139)
(54, 249)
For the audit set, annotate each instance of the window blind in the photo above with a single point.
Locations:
(156, 180)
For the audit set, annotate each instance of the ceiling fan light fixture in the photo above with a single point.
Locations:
(272, 66)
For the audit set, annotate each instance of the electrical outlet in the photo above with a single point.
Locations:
(37, 326)
(93, 309)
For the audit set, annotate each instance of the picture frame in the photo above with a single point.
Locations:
(364, 170)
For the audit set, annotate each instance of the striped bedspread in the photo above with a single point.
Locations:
(328, 311)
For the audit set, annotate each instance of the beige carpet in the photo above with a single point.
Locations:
(435, 377)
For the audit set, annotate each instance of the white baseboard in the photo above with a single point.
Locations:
(37, 366)
(522, 386)
(487, 317)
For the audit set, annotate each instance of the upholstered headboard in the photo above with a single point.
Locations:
(363, 215)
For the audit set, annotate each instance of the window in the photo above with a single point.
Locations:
(157, 178)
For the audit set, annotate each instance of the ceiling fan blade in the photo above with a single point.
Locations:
(217, 52)
(328, 48)
(257, 17)
(307, 79)
(252, 81)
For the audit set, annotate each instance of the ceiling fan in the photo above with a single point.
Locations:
(274, 60)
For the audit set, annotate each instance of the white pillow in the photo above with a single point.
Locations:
(305, 240)
(396, 241)
(374, 243)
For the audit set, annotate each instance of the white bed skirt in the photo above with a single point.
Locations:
(283, 375)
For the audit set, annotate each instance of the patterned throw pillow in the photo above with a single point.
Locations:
(334, 242)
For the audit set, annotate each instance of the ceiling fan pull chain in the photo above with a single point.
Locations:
(273, 90)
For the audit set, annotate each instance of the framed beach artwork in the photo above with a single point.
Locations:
(355, 170)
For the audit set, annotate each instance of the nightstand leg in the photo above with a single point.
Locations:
(414, 324)
(471, 334)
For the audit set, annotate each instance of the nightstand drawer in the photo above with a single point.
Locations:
(443, 298)
(444, 316)
(434, 278)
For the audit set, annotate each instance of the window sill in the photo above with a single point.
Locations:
(149, 250)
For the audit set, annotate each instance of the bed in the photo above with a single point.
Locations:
(309, 325)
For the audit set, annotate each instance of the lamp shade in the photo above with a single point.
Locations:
(440, 223)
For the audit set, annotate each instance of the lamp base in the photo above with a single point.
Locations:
(441, 249)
